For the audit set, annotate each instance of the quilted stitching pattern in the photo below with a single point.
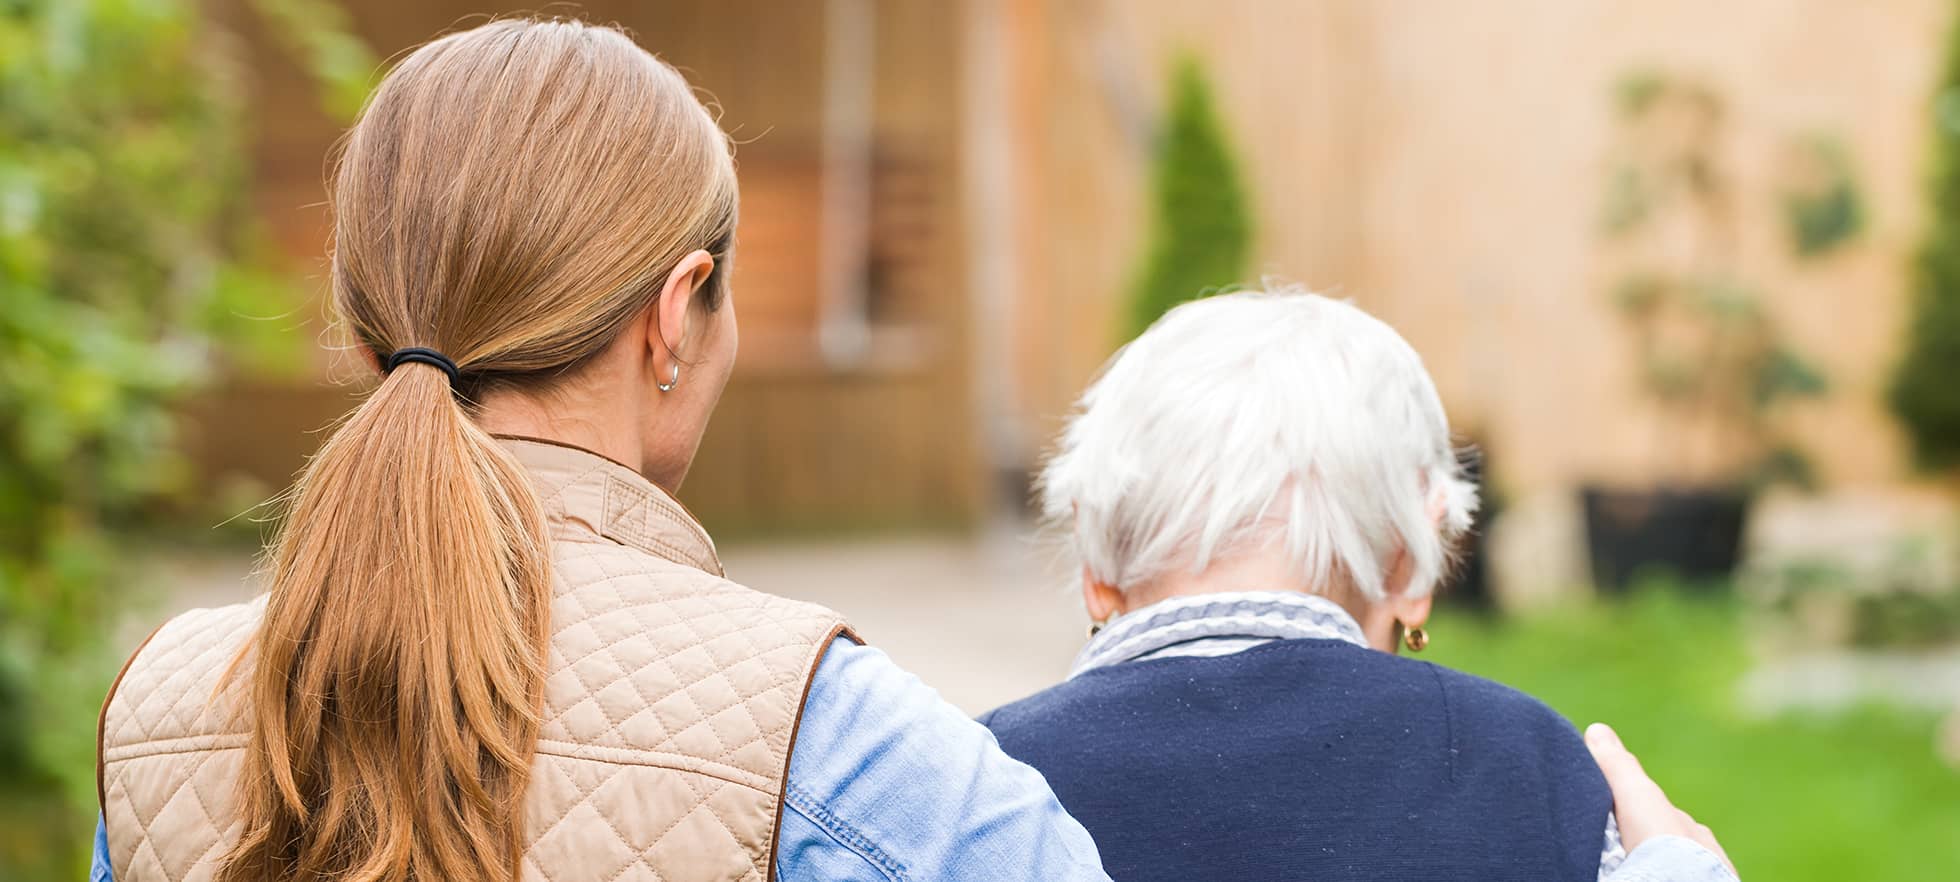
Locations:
(171, 758)
(670, 703)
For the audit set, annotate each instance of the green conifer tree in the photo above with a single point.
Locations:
(1200, 232)
(1926, 388)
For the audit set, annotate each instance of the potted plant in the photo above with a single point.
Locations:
(1709, 356)
(1469, 586)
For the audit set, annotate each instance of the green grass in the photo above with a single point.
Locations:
(1860, 795)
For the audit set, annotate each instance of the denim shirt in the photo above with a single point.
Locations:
(888, 782)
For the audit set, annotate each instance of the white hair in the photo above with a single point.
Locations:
(1253, 418)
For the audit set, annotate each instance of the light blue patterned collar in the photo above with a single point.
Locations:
(1216, 624)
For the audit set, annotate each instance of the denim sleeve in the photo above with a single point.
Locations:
(98, 866)
(1672, 859)
(888, 782)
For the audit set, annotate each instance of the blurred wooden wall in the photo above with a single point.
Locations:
(801, 441)
(1442, 165)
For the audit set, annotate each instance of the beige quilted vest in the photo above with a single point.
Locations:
(672, 699)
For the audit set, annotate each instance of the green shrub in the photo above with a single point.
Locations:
(1200, 233)
(1926, 388)
(1825, 210)
(130, 273)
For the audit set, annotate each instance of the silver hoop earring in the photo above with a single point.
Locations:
(672, 381)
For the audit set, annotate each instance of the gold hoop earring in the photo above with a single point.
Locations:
(672, 381)
(1416, 639)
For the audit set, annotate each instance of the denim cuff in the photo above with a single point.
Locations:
(1672, 859)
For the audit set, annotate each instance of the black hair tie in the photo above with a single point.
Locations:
(422, 355)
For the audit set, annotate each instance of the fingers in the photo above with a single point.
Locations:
(1640, 804)
(1642, 807)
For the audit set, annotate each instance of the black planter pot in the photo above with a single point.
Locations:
(1470, 588)
(1691, 533)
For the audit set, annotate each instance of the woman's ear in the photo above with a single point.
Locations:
(673, 311)
(1103, 600)
(1412, 612)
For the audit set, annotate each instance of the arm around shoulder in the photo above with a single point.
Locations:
(889, 779)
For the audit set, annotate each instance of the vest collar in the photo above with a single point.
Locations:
(1217, 624)
(585, 493)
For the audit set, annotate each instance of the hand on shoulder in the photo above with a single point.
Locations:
(1642, 807)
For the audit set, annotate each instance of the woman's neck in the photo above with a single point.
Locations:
(1260, 571)
(566, 419)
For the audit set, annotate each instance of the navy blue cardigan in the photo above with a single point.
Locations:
(1315, 760)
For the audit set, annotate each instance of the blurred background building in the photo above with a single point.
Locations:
(852, 401)
(1663, 259)
(943, 205)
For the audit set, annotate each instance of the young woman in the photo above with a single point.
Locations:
(495, 646)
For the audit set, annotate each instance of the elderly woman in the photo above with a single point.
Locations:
(1262, 497)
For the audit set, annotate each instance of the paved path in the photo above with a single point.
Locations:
(1834, 681)
(985, 619)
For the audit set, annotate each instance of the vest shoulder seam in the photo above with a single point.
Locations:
(623, 756)
(181, 744)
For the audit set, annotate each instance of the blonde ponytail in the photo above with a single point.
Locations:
(398, 671)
